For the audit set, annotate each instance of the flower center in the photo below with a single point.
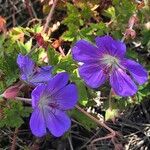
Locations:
(47, 102)
(110, 61)
(44, 101)
(53, 105)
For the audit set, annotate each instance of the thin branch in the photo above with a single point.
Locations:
(13, 146)
(49, 17)
(101, 124)
(30, 8)
(90, 139)
(5, 133)
(70, 143)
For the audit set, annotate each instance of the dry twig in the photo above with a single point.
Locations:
(49, 17)
(13, 146)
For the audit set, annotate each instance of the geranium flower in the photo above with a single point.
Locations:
(106, 60)
(50, 103)
(32, 74)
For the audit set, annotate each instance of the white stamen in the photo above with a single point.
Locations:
(43, 101)
(110, 61)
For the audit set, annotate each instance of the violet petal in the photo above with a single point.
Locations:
(136, 70)
(57, 123)
(37, 123)
(67, 97)
(25, 64)
(36, 94)
(42, 76)
(57, 82)
(92, 74)
(110, 46)
(84, 51)
(122, 83)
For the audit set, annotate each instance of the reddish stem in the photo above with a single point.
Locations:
(13, 146)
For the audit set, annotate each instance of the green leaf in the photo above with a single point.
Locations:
(124, 9)
(2, 39)
(25, 48)
(68, 36)
(83, 119)
(110, 12)
(71, 34)
(65, 64)
(144, 90)
(132, 54)
(83, 97)
(86, 12)
(28, 45)
(13, 114)
(37, 28)
(93, 29)
(73, 16)
(53, 56)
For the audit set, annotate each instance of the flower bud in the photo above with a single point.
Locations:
(11, 92)
(130, 33)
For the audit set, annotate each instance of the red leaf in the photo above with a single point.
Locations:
(2, 24)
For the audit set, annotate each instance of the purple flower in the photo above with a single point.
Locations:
(50, 103)
(32, 74)
(107, 60)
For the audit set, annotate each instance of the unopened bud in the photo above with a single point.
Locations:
(11, 92)
(130, 33)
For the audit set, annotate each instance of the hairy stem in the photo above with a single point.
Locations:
(23, 99)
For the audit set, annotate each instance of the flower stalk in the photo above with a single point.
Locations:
(28, 100)
(110, 100)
